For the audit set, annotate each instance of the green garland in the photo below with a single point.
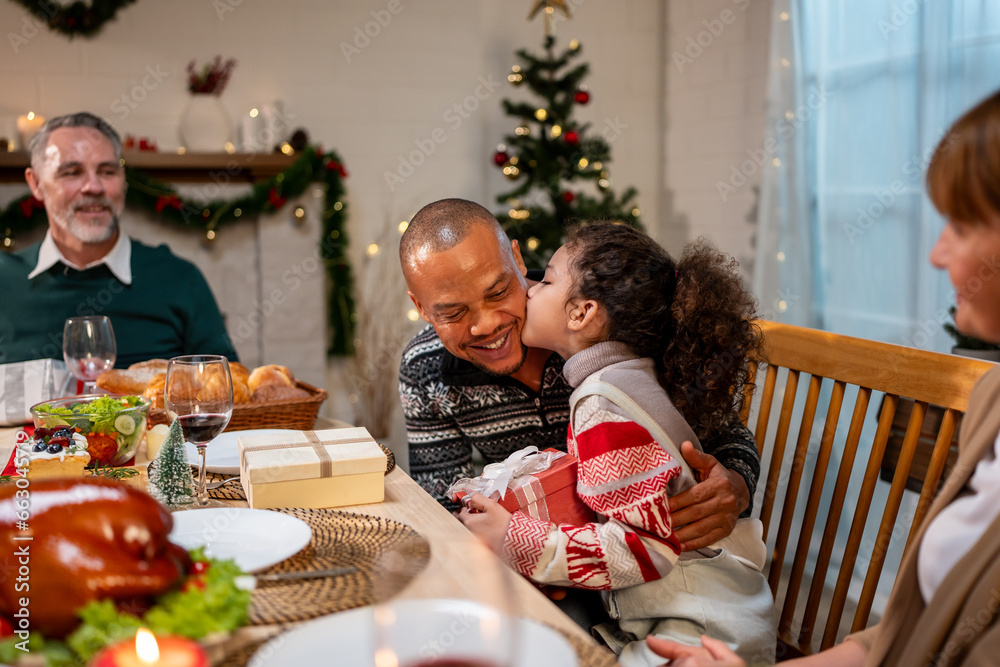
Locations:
(78, 18)
(268, 196)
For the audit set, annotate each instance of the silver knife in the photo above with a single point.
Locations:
(310, 574)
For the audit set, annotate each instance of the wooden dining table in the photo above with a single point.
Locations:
(451, 570)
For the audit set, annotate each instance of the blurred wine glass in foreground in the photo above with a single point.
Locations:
(89, 348)
(482, 631)
(198, 392)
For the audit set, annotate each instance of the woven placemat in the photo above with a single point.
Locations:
(231, 491)
(341, 539)
(588, 653)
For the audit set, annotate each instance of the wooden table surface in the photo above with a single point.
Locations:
(449, 573)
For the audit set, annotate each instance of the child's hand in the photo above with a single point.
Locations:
(487, 520)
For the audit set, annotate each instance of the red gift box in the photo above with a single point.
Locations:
(549, 495)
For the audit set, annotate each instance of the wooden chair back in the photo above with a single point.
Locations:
(809, 358)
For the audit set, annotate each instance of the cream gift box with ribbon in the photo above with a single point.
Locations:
(312, 469)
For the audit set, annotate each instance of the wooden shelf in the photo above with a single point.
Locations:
(176, 167)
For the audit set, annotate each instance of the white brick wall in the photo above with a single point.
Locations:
(714, 113)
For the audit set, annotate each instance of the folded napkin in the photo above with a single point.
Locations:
(26, 383)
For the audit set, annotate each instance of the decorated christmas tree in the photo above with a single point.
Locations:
(170, 479)
(559, 166)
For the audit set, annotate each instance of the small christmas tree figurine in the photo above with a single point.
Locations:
(170, 479)
(550, 151)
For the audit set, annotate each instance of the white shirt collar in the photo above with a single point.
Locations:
(119, 260)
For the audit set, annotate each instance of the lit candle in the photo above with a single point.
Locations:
(146, 651)
(28, 126)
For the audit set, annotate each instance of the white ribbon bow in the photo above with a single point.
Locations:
(525, 461)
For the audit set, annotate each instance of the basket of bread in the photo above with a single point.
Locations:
(267, 397)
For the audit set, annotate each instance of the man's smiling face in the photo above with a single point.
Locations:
(474, 294)
(82, 184)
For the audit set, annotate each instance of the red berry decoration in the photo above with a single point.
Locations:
(568, 197)
(334, 165)
(199, 567)
(500, 158)
(572, 138)
(581, 96)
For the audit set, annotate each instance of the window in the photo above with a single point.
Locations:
(880, 82)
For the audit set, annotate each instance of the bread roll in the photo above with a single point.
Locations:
(238, 370)
(183, 384)
(126, 381)
(270, 375)
(157, 365)
(275, 392)
(241, 392)
(154, 390)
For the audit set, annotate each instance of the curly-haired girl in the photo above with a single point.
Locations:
(652, 346)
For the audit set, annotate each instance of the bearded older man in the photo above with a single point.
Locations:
(160, 305)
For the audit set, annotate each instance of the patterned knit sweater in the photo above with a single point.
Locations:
(624, 475)
(451, 407)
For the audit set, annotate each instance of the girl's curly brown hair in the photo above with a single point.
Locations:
(694, 318)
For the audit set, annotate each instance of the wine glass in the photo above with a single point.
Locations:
(198, 392)
(483, 630)
(89, 348)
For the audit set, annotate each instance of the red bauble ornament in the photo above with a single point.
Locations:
(571, 138)
(500, 158)
(276, 200)
(568, 197)
(172, 201)
(581, 96)
(336, 166)
(29, 205)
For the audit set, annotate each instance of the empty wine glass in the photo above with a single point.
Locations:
(89, 348)
(198, 392)
(426, 632)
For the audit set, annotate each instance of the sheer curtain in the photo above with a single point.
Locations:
(860, 92)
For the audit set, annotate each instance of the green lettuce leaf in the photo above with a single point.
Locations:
(194, 613)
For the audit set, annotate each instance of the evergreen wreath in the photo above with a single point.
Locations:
(77, 18)
(160, 199)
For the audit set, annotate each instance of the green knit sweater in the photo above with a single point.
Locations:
(168, 310)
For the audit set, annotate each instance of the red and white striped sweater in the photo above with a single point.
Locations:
(624, 475)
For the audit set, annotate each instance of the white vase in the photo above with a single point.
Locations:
(205, 125)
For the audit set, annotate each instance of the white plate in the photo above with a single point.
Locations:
(255, 539)
(223, 453)
(346, 638)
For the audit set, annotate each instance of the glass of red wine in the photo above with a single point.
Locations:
(198, 392)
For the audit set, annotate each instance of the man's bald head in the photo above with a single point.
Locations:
(442, 225)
